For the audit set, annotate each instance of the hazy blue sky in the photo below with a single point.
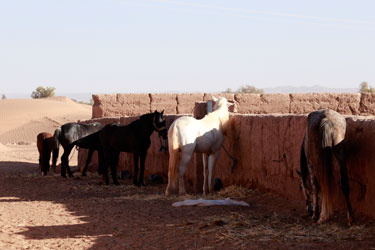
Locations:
(107, 46)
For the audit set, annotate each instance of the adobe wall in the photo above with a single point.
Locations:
(265, 137)
(268, 150)
(118, 105)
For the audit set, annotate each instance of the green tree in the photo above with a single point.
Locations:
(246, 89)
(364, 87)
(228, 90)
(42, 92)
(250, 89)
(3, 97)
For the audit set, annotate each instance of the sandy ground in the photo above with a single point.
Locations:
(79, 213)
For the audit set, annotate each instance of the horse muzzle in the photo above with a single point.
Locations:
(163, 144)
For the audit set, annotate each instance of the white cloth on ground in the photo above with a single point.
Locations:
(202, 202)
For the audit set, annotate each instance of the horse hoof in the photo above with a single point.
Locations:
(116, 183)
(83, 174)
(63, 176)
(322, 220)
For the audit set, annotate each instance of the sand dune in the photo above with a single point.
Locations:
(21, 120)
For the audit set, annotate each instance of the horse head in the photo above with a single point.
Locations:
(222, 101)
(159, 124)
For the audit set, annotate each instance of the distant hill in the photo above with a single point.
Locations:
(308, 89)
(82, 97)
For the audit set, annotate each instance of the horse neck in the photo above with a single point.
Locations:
(147, 124)
(222, 116)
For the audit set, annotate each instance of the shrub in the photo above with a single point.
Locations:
(42, 92)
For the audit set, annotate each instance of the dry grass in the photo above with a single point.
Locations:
(237, 226)
(234, 192)
(270, 226)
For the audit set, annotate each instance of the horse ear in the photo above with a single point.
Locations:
(214, 99)
(162, 112)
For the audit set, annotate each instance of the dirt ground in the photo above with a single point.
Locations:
(79, 213)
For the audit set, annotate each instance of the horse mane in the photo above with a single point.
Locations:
(221, 114)
(146, 116)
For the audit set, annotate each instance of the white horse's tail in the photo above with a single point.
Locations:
(173, 146)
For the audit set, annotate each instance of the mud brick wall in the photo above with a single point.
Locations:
(268, 149)
(265, 136)
(118, 105)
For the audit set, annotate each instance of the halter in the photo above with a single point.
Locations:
(156, 128)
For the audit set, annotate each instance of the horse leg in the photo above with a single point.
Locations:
(114, 168)
(107, 159)
(40, 162)
(205, 174)
(315, 191)
(65, 160)
(101, 161)
(340, 156)
(185, 159)
(47, 159)
(89, 156)
(135, 178)
(211, 168)
(142, 170)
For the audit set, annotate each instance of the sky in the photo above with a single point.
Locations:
(157, 46)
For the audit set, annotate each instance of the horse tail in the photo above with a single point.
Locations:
(326, 173)
(173, 147)
(56, 145)
(303, 163)
(46, 154)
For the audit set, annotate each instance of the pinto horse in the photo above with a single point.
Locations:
(323, 141)
(45, 144)
(135, 138)
(187, 135)
(76, 134)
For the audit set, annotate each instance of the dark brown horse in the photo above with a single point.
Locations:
(323, 141)
(45, 144)
(134, 138)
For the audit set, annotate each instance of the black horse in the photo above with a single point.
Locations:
(135, 138)
(77, 134)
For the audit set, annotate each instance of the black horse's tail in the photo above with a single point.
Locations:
(56, 145)
(326, 171)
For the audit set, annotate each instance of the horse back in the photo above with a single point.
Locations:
(123, 138)
(41, 138)
(72, 132)
(204, 134)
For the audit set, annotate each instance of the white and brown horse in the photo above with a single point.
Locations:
(323, 141)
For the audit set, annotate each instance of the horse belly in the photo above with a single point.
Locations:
(209, 143)
(203, 148)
